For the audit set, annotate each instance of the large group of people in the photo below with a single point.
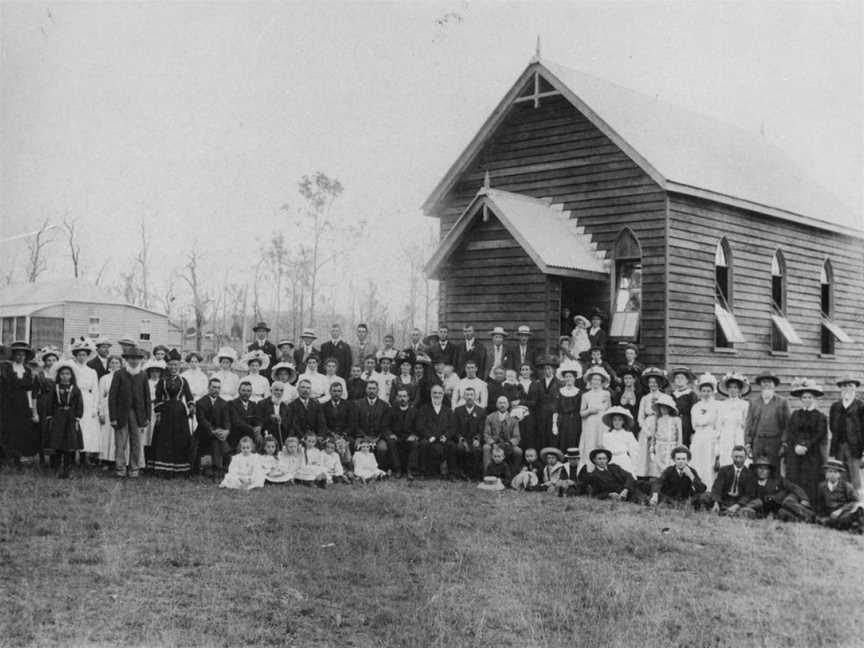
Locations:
(507, 415)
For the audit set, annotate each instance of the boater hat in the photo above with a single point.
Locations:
(572, 453)
(600, 450)
(284, 343)
(498, 330)
(491, 484)
(806, 385)
(308, 333)
(523, 330)
(617, 410)
(226, 352)
(834, 464)
(596, 370)
(707, 379)
(102, 341)
(549, 450)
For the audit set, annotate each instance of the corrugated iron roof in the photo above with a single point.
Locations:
(683, 151)
(34, 296)
(549, 235)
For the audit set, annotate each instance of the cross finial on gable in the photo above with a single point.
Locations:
(537, 49)
(487, 181)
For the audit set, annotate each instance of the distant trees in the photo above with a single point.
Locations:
(37, 260)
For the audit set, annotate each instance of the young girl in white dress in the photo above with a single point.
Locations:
(106, 436)
(333, 463)
(654, 381)
(291, 457)
(274, 473)
(619, 440)
(365, 465)
(245, 471)
(312, 470)
(731, 415)
(595, 401)
(580, 343)
(703, 416)
(667, 434)
(87, 381)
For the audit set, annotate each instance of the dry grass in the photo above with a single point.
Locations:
(94, 561)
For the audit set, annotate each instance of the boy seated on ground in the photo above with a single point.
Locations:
(678, 484)
(733, 488)
(498, 467)
(528, 477)
(605, 480)
(837, 504)
(777, 496)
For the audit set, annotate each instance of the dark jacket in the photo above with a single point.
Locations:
(773, 492)
(447, 355)
(847, 426)
(806, 428)
(340, 350)
(300, 355)
(506, 359)
(469, 426)
(337, 418)
(403, 423)
(242, 420)
(371, 420)
(501, 471)
(211, 415)
(270, 426)
(95, 364)
(827, 502)
(306, 418)
(722, 486)
(677, 487)
(477, 354)
(430, 424)
(602, 483)
(128, 393)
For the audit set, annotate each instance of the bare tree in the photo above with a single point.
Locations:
(200, 299)
(168, 296)
(100, 275)
(70, 229)
(36, 244)
(142, 260)
(279, 264)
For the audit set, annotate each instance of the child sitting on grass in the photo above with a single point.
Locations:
(274, 473)
(528, 477)
(312, 470)
(365, 465)
(332, 463)
(498, 468)
(291, 458)
(245, 471)
(837, 504)
(553, 472)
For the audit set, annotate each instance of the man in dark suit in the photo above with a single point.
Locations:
(372, 423)
(440, 348)
(403, 431)
(274, 415)
(337, 412)
(305, 350)
(846, 423)
(261, 343)
(523, 352)
(99, 362)
(733, 488)
(776, 495)
(338, 349)
(679, 483)
(243, 417)
(305, 412)
(415, 346)
(468, 440)
(214, 425)
(470, 349)
(608, 480)
(498, 354)
(129, 413)
(436, 427)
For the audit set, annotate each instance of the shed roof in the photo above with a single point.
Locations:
(683, 151)
(547, 233)
(23, 299)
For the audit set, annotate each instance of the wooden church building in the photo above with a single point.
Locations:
(705, 245)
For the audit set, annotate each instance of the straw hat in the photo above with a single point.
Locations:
(523, 330)
(491, 484)
(498, 330)
(290, 368)
(82, 344)
(707, 379)
(101, 341)
(545, 452)
(573, 453)
(767, 375)
(668, 401)
(581, 319)
(799, 387)
(44, 352)
(682, 370)
(252, 356)
(734, 376)
(659, 374)
(849, 379)
(154, 364)
(596, 370)
(617, 410)
(226, 352)
(834, 464)
(308, 333)
(600, 450)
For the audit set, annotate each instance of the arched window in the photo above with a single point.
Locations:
(826, 280)
(830, 331)
(627, 297)
(726, 329)
(782, 333)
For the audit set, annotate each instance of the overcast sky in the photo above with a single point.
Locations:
(201, 117)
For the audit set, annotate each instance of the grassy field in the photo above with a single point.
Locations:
(94, 561)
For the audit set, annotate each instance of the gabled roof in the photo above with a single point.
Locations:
(31, 297)
(547, 233)
(682, 151)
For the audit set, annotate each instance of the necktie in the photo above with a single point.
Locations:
(734, 491)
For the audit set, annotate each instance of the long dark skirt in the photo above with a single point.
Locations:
(569, 422)
(64, 433)
(172, 442)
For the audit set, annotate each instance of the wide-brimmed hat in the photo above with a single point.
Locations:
(282, 343)
(572, 453)
(134, 352)
(101, 341)
(261, 326)
(834, 464)
(734, 376)
(799, 387)
(309, 333)
(429, 338)
(550, 450)
(226, 352)
(682, 370)
(659, 374)
(595, 370)
(599, 450)
(173, 354)
(762, 461)
(44, 352)
(849, 379)
(523, 330)
(617, 410)
(284, 366)
(402, 356)
(581, 319)
(65, 364)
(498, 330)
(706, 379)
(491, 484)
(668, 401)
(82, 344)
(195, 354)
(154, 364)
(546, 360)
(256, 355)
(767, 375)
(127, 340)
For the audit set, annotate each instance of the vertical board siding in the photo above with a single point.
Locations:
(696, 226)
(584, 170)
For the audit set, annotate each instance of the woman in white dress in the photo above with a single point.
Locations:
(731, 415)
(703, 416)
(654, 381)
(595, 401)
(229, 381)
(254, 362)
(193, 374)
(88, 382)
(106, 438)
(330, 366)
(619, 440)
